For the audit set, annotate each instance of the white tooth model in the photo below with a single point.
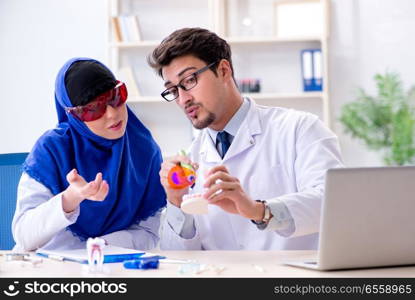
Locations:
(95, 248)
(194, 204)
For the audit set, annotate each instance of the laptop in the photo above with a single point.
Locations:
(367, 219)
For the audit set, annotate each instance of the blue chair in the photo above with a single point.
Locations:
(10, 172)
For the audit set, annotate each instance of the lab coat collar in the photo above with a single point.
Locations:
(243, 140)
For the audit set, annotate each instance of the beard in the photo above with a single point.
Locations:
(201, 124)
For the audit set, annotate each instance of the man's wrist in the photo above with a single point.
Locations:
(259, 211)
(266, 216)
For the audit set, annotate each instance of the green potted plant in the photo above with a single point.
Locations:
(385, 121)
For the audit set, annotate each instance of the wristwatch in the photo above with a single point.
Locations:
(267, 216)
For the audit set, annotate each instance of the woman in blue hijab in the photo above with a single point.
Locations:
(95, 174)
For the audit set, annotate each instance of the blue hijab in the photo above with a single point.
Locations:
(129, 164)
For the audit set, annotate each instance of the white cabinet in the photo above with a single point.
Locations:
(261, 49)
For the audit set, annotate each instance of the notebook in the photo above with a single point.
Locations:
(112, 254)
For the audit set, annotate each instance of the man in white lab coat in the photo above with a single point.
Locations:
(262, 169)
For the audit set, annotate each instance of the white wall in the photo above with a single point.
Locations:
(368, 37)
(36, 38)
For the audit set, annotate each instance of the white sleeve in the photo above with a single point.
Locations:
(282, 222)
(141, 236)
(39, 215)
(317, 151)
(178, 231)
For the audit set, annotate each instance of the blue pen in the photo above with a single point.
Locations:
(115, 258)
(143, 263)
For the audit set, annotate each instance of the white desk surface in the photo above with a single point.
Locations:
(235, 263)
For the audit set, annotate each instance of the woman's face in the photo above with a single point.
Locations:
(112, 124)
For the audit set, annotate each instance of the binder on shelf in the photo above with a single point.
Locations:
(126, 75)
(317, 70)
(311, 69)
(134, 28)
(130, 29)
(116, 29)
(124, 28)
(307, 69)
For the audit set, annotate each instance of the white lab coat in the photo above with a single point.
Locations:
(277, 154)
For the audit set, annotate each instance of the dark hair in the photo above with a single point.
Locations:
(201, 43)
(86, 79)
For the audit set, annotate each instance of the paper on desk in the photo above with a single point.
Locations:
(81, 255)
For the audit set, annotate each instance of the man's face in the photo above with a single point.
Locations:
(204, 103)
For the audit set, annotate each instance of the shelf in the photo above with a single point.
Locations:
(142, 44)
(230, 40)
(257, 53)
(258, 96)
(270, 40)
(271, 96)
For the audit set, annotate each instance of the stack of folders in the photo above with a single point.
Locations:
(311, 67)
(112, 254)
(126, 28)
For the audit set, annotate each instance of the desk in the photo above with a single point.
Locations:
(235, 263)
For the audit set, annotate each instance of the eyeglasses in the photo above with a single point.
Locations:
(97, 108)
(187, 83)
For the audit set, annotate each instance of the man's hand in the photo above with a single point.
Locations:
(226, 192)
(79, 190)
(174, 195)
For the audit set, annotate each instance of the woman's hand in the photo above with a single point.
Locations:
(79, 190)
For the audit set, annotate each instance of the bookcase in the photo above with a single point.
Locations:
(266, 48)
